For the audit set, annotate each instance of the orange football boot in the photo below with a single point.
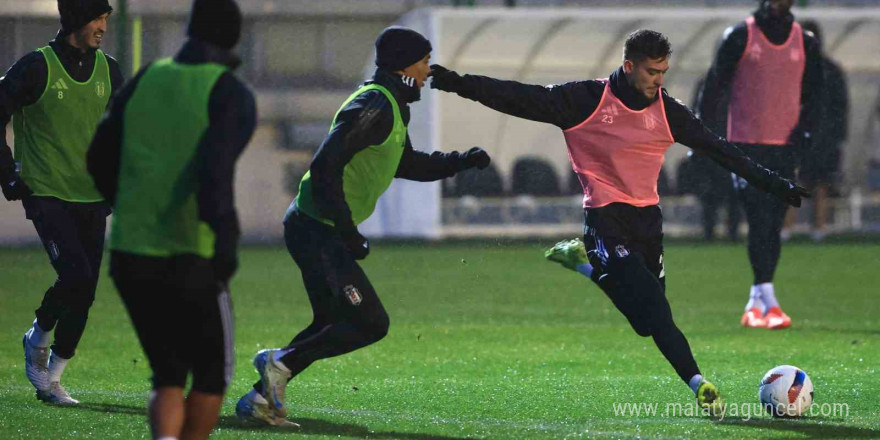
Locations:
(777, 319)
(753, 318)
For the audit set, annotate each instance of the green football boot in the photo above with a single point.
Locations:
(569, 253)
(709, 398)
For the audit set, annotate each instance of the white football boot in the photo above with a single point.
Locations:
(258, 410)
(274, 380)
(56, 395)
(36, 362)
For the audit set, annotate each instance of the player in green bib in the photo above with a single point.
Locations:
(366, 148)
(165, 156)
(55, 97)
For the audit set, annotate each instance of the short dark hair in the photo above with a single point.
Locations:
(645, 43)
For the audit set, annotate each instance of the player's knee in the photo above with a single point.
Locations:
(643, 329)
(79, 302)
(74, 282)
(640, 323)
(79, 282)
(377, 327)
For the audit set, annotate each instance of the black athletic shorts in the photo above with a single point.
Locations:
(618, 230)
(182, 316)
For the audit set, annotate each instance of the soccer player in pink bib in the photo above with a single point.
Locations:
(771, 70)
(617, 130)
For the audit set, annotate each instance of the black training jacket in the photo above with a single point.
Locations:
(368, 120)
(232, 114)
(569, 104)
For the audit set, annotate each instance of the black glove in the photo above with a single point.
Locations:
(791, 193)
(15, 189)
(225, 261)
(476, 157)
(225, 266)
(357, 244)
(444, 79)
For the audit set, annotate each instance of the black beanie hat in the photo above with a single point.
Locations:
(398, 48)
(215, 21)
(77, 13)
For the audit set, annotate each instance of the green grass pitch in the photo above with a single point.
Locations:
(489, 341)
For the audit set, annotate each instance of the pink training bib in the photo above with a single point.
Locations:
(617, 152)
(765, 98)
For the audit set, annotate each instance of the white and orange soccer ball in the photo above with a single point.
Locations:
(786, 391)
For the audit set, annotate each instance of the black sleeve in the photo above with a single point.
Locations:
(22, 85)
(232, 114)
(689, 131)
(716, 90)
(102, 159)
(427, 167)
(837, 107)
(811, 86)
(366, 120)
(564, 106)
(116, 77)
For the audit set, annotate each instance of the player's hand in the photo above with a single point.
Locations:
(793, 193)
(476, 157)
(224, 267)
(16, 189)
(443, 78)
(357, 244)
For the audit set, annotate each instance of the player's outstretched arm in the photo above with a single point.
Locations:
(550, 104)
(690, 132)
(428, 167)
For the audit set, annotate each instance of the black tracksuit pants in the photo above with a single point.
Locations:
(347, 312)
(73, 236)
(765, 213)
(625, 246)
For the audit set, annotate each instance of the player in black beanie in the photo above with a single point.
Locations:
(400, 52)
(178, 298)
(367, 147)
(215, 21)
(398, 47)
(77, 13)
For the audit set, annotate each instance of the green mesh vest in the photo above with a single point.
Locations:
(53, 134)
(368, 174)
(156, 210)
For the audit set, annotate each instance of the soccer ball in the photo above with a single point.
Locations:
(786, 391)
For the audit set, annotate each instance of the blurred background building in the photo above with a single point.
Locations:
(304, 57)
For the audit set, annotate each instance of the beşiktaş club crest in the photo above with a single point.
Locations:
(352, 295)
(100, 88)
(621, 251)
